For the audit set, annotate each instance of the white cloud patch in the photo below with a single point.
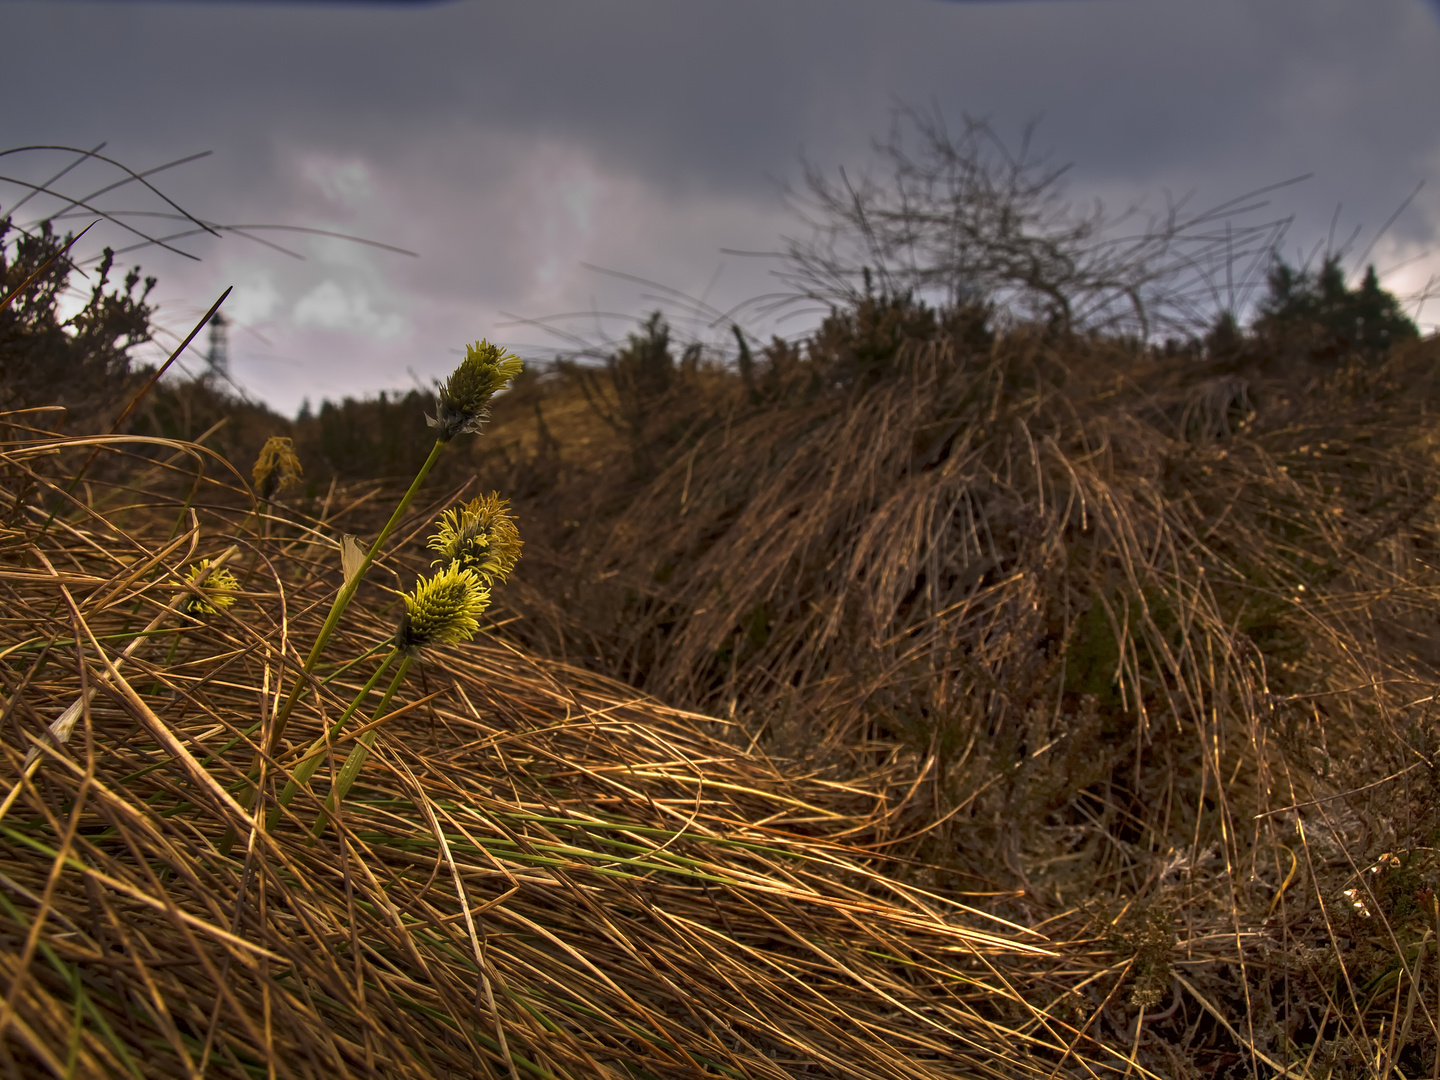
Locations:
(346, 183)
(1408, 269)
(255, 300)
(551, 195)
(329, 306)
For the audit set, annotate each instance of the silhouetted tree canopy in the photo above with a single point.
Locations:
(1319, 312)
(78, 362)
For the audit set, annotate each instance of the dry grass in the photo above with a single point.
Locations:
(1022, 705)
(539, 873)
(1135, 636)
(1054, 712)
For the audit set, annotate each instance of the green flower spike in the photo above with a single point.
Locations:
(217, 591)
(443, 610)
(462, 403)
(479, 535)
(277, 468)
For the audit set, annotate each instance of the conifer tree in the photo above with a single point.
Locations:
(1318, 313)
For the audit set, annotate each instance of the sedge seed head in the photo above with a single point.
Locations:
(277, 468)
(462, 402)
(479, 535)
(444, 609)
(217, 591)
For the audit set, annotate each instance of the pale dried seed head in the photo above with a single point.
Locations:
(277, 468)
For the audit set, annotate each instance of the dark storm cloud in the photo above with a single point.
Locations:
(689, 93)
(506, 142)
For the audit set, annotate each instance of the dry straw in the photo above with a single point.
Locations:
(1142, 638)
(538, 874)
(1228, 859)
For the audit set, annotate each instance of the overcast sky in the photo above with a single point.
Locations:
(508, 143)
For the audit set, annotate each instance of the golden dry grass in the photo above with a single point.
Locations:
(1036, 712)
(539, 874)
(1144, 638)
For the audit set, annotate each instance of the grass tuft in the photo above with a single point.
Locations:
(540, 873)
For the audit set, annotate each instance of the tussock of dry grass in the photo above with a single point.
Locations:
(1056, 713)
(1141, 637)
(539, 873)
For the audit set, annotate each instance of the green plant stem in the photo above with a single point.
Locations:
(346, 594)
(169, 659)
(388, 643)
(36, 644)
(247, 796)
(316, 754)
(351, 769)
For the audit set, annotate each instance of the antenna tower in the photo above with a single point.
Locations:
(217, 360)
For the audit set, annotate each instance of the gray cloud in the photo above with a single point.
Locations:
(508, 142)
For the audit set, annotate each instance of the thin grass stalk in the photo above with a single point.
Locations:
(139, 396)
(322, 637)
(314, 756)
(347, 593)
(63, 726)
(35, 274)
(356, 760)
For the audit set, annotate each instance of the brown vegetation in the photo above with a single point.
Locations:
(951, 694)
(1128, 635)
(545, 875)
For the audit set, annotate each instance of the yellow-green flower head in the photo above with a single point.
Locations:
(481, 536)
(462, 403)
(217, 590)
(443, 610)
(277, 468)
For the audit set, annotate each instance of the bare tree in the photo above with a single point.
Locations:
(963, 218)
